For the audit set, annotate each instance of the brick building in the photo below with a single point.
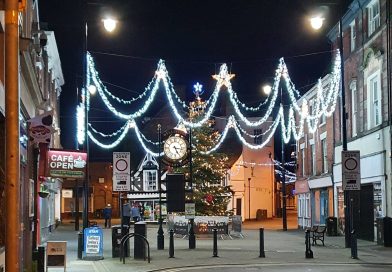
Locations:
(313, 186)
(366, 50)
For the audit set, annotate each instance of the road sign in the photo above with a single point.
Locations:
(121, 172)
(121, 163)
(351, 170)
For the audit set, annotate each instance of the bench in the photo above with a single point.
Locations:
(318, 233)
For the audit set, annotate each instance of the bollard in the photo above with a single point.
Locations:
(80, 244)
(215, 249)
(308, 251)
(192, 237)
(262, 253)
(354, 249)
(171, 244)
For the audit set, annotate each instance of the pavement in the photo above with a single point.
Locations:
(283, 250)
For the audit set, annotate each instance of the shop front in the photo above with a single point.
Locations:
(304, 207)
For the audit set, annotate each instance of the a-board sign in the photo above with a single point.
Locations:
(351, 170)
(121, 172)
(93, 243)
(56, 253)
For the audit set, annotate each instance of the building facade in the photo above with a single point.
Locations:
(314, 184)
(367, 82)
(40, 81)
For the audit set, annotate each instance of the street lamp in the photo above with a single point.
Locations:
(87, 90)
(109, 24)
(267, 90)
(347, 203)
(249, 179)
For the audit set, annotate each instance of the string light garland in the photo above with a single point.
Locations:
(325, 104)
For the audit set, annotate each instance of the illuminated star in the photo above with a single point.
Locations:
(198, 89)
(223, 77)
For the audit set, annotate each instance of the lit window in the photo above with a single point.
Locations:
(150, 180)
(324, 154)
(313, 159)
(303, 161)
(374, 95)
(373, 16)
(354, 108)
(258, 137)
(353, 36)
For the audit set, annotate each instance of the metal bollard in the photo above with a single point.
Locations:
(262, 253)
(354, 248)
(215, 249)
(308, 251)
(192, 238)
(171, 244)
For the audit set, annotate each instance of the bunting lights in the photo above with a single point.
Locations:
(291, 122)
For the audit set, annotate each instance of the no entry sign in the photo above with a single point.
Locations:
(121, 171)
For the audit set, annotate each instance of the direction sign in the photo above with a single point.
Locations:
(121, 172)
(351, 170)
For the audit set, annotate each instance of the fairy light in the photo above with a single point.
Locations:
(325, 104)
(80, 123)
(111, 145)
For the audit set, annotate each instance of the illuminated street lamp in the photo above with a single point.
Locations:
(316, 23)
(109, 24)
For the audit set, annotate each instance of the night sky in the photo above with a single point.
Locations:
(194, 37)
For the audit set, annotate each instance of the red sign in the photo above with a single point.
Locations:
(66, 164)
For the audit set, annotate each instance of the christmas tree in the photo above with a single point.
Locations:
(210, 195)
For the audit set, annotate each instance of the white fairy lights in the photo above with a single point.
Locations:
(324, 104)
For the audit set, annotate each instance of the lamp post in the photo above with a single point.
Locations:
(267, 90)
(160, 237)
(249, 179)
(85, 95)
(317, 22)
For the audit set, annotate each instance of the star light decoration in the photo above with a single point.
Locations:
(198, 90)
(223, 77)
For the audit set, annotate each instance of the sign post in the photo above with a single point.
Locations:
(121, 172)
(351, 170)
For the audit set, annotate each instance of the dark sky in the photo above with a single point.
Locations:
(194, 37)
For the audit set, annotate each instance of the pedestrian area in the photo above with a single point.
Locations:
(280, 248)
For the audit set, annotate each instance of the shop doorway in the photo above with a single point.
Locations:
(366, 222)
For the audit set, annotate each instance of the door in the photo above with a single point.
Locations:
(238, 206)
(323, 206)
(366, 222)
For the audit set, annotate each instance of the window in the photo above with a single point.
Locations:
(312, 160)
(373, 16)
(353, 36)
(354, 108)
(258, 139)
(150, 180)
(374, 98)
(303, 161)
(324, 154)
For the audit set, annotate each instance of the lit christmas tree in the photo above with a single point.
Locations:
(210, 194)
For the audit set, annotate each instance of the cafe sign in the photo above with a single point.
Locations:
(66, 164)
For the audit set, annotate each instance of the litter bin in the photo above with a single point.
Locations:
(116, 240)
(332, 226)
(387, 231)
(139, 247)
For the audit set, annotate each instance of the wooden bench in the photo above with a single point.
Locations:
(318, 233)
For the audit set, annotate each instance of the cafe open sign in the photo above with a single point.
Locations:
(66, 164)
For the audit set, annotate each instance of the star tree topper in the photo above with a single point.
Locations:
(224, 77)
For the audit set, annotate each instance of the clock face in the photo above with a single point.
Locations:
(175, 148)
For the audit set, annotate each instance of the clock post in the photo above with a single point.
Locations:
(160, 237)
(192, 238)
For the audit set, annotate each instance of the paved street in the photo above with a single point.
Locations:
(283, 250)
